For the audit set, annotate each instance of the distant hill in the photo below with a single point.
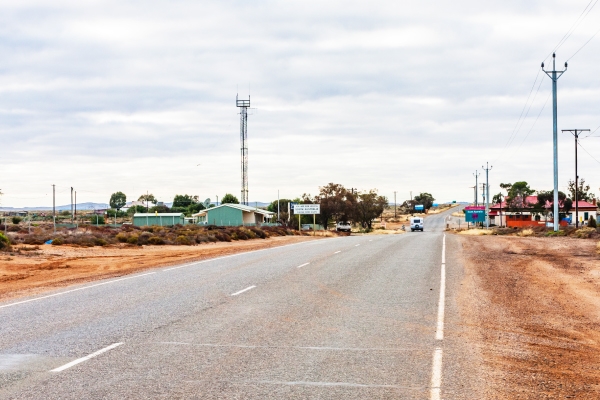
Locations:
(80, 206)
(96, 206)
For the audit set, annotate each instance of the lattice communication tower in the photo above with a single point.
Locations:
(244, 105)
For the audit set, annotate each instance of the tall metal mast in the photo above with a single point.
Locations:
(244, 105)
(554, 75)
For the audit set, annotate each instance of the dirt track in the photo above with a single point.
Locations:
(45, 267)
(533, 309)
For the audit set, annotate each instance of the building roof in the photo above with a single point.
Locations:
(530, 201)
(158, 215)
(236, 206)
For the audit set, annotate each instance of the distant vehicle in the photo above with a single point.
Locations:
(343, 227)
(416, 224)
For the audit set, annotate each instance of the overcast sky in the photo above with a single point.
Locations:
(402, 96)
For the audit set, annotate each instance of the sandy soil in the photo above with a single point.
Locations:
(533, 308)
(39, 268)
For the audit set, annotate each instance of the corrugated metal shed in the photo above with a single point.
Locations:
(160, 219)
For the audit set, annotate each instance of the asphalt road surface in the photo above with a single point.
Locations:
(356, 317)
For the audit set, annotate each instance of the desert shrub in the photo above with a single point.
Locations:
(584, 233)
(248, 233)
(100, 242)
(156, 240)
(133, 239)
(259, 233)
(592, 223)
(503, 231)
(525, 232)
(143, 238)
(598, 247)
(202, 239)
(59, 241)
(4, 242)
(211, 238)
(97, 219)
(224, 237)
(35, 239)
(558, 233)
(122, 237)
(183, 240)
(16, 220)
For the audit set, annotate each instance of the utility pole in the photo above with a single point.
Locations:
(576, 133)
(54, 207)
(476, 175)
(487, 194)
(75, 206)
(72, 215)
(554, 75)
(395, 216)
(277, 206)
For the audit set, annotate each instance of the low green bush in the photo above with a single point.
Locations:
(58, 241)
(4, 242)
(16, 220)
(155, 240)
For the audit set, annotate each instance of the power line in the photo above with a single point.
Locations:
(585, 44)
(575, 25)
(583, 148)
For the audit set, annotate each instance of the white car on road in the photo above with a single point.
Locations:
(343, 227)
(416, 224)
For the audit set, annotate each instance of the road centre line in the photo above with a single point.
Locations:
(305, 264)
(246, 253)
(75, 290)
(82, 359)
(436, 375)
(243, 290)
(339, 251)
(356, 245)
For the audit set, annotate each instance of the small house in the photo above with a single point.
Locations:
(233, 215)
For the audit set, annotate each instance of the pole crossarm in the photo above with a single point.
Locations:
(575, 133)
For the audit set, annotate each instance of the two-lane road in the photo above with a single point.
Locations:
(356, 317)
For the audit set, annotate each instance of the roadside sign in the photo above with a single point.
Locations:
(307, 209)
(474, 214)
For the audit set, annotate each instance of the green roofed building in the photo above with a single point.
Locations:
(160, 219)
(234, 215)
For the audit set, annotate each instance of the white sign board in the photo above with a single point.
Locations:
(307, 209)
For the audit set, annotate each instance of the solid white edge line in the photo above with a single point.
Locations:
(356, 245)
(303, 265)
(82, 359)
(243, 290)
(439, 333)
(75, 290)
(436, 375)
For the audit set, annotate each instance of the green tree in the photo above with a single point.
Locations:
(118, 200)
(497, 198)
(425, 199)
(583, 191)
(184, 200)
(194, 208)
(229, 199)
(136, 209)
(336, 202)
(517, 195)
(148, 198)
(369, 205)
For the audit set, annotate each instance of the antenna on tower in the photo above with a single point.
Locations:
(244, 105)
